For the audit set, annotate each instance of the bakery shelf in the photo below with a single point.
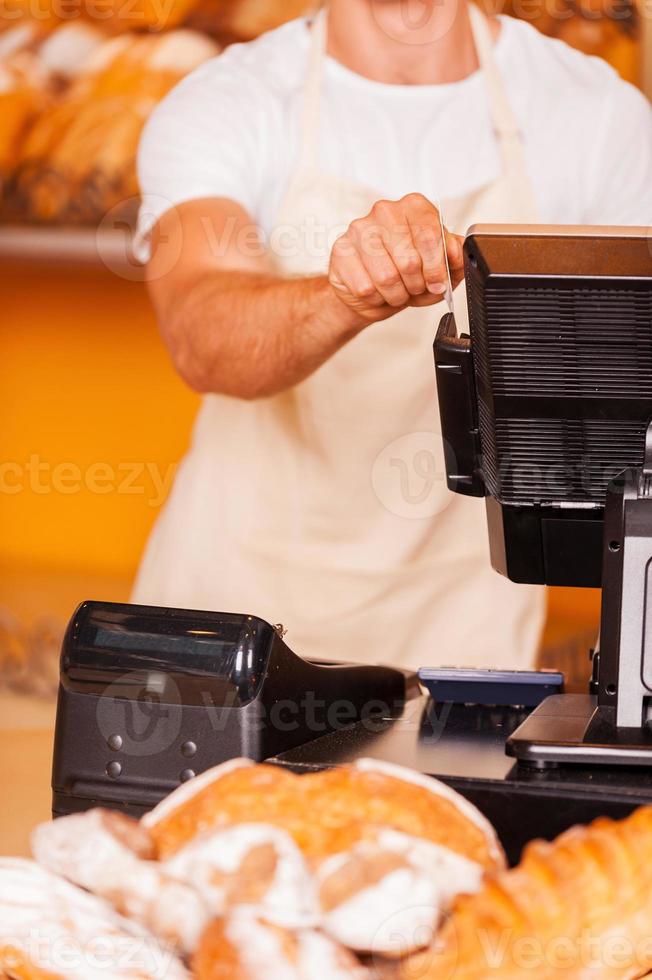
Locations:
(69, 247)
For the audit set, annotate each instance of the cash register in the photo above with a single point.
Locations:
(546, 413)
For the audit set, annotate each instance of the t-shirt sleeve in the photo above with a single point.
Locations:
(619, 189)
(205, 139)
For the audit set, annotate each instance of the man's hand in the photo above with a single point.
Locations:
(394, 258)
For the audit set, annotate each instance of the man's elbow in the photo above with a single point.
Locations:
(216, 375)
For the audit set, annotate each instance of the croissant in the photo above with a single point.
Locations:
(579, 908)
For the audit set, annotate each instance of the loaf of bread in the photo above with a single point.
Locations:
(578, 908)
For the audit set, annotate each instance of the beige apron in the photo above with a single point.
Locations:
(325, 508)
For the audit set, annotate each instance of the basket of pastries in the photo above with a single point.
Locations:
(252, 872)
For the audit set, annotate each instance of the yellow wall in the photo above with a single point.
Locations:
(85, 381)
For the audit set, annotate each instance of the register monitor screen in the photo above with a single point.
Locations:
(551, 397)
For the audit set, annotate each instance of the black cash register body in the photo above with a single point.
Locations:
(545, 411)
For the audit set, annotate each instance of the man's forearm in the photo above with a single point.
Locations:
(236, 329)
(251, 335)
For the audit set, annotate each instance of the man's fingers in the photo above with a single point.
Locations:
(427, 239)
(348, 274)
(380, 266)
(394, 257)
(400, 246)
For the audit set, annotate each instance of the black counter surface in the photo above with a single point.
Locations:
(465, 747)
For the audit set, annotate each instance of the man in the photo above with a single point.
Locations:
(297, 269)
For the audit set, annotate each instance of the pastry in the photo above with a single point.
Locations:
(386, 795)
(52, 930)
(252, 865)
(110, 855)
(326, 812)
(387, 893)
(243, 947)
(579, 908)
(235, 792)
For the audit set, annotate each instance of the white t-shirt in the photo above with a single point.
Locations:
(231, 129)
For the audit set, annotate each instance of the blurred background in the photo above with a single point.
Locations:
(93, 417)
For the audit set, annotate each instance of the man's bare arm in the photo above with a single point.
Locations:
(235, 327)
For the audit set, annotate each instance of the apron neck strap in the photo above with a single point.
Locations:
(312, 92)
(502, 115)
